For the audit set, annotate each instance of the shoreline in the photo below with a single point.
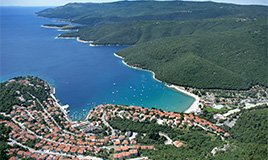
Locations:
(64, 111)
(65, 37)
(77, 38)
(50, 26)
(194, 106)
(83, 41)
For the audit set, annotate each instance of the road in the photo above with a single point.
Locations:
(169, 141)
(106, 123)
(45, 111)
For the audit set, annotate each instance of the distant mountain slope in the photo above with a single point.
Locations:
(233, 59)
(130, 33)
(99, 13)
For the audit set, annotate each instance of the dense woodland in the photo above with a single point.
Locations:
(249, 137)
(122, 11)
(235, 59)
(135, 32)
(9, 93)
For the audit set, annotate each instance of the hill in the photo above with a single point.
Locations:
(100, 13)
(134, 32)
(235, 59)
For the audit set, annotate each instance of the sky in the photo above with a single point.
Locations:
(63, 2)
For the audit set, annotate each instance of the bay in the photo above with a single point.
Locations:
(83, 76)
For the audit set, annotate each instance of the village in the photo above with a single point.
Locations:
(43, 130)
(227, 104)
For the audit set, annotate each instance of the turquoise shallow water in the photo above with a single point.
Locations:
(84, 76)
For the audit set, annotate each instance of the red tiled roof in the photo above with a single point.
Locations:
(13, 158)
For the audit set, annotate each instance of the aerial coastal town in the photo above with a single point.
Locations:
(38, 126)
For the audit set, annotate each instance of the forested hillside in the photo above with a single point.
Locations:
(234, 59)
(130, 33)
(100, 13)
(249, 137)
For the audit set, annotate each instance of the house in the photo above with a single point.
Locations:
(133, 152)
(59, 149)
(135, 118)
(226, 134)
(27, 154)
(136, 146)
(191, 124)
(12, 151)
(90, 149)
(170, 121)
(116, 142)
(117, 149)
(117, 157)
(73, 150)
(42, 157)
(20, 153)
(81, 150)
(125, 148)
(133, 141)
(34, 156)
(150, 147)
(97, 150)
(50, 158)
(177, 144)
(125, 142)
(13, 158)
(45, 147)
(125, 154)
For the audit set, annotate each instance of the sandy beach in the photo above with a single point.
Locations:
(77, 38)
(83, 41)
(94, 45)
(49, 26)
(195, 106)
(192, 109)
(64, 37)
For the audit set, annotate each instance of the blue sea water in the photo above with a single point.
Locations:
(84, 76)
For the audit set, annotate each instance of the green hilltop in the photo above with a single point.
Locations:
(122, 11)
